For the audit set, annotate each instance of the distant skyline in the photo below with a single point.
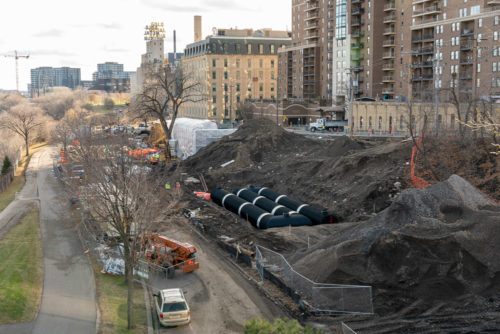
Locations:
(59, 33)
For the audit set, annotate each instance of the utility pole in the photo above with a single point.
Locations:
(17, 56)
(351, 98)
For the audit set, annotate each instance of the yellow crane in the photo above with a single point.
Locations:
(17, 56)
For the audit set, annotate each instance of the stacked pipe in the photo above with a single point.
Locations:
(262, 202)
(258, 217)
(316, 215)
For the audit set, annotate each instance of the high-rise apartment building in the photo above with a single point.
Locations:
(455, 45)
(383, 49)
(232, 65)
(44, 78)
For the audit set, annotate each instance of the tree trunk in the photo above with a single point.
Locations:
(130, 300)
(27, 146)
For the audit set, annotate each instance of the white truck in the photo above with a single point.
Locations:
(142, 129)
(328, 125)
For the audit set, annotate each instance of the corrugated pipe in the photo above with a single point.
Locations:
(316, 215)
(262, 202)
(258, 217)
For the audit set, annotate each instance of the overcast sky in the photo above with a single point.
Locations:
(82, 34)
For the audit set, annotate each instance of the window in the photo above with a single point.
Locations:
(261, 75)
(214, 62)
(237, 87)
(214, 75)
(261, 63)
(238, 98)
(225, 75)
(261, 87)
(214, 87)
(225, 87)
(225, 62)
(249, 48)
(272, 75)
(380, 123)
(214, 112)
(401, 121)
(272, 48)
(237, 63)
(214, 99)
(361, 122)
(272, 87)
(261, 48)
(249, 63)
(272, 63)
(238, 75)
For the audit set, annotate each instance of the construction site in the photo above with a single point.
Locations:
(374, 250)
(376, 233)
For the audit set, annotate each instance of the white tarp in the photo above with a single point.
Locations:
(194, 134)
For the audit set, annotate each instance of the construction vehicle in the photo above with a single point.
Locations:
(328, 125)
(169, 254)
(158, 139)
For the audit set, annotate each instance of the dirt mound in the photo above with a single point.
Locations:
(438, 243)
(353, 177)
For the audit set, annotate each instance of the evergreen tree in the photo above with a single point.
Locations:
(6, 165)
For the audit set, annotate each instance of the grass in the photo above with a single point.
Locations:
(19, 179)
(21, 271)
(112, 299)
(102, 110)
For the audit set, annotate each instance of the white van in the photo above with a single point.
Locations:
(172, 308)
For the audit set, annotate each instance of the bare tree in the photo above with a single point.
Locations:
(23, 119)
(57, 103)
(164, 94)
(122, 196)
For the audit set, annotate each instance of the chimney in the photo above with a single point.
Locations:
(197, 28)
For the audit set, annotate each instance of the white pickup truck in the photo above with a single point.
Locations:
(328, 124)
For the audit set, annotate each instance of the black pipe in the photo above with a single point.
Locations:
(262, 202)
(258, 217)
(316, 215)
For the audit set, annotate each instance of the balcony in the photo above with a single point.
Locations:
(390, 18)
(388, 66)
(388, 90)
(388, 78)
(357, 11)
(358, 68)
(389, 42)
(390, 7)
(357, 23)
(427, 11)
(357, 91)
(312, 36)
(357, 33)
(359, 57)
(354, 2)
(312, 26)
(466, 46)
(466, 76)
(312, 16)
(422, 64)
(388, 55)
(422, 51)
(467, 32)
(469, 60)
(312, 6)
(357, 45)
(390, 31)
(425, 77)
(424, 38)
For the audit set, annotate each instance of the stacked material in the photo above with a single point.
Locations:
(258, 217)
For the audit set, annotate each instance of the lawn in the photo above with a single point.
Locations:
(112, 299)
(18, 182)
(21, 271)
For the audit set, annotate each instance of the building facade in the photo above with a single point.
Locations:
(111, 77)
(233, 66)
(44, 78)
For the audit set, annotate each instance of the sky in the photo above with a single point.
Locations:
(81, 34)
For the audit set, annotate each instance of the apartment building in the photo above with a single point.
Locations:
(306, 64)
(232, 66)
(44, 78)
(455, 45)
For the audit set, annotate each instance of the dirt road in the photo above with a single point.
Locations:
(68, 300)
(221, 301)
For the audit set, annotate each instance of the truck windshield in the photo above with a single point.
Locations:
(174, 307)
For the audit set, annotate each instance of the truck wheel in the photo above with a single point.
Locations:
(313, 129)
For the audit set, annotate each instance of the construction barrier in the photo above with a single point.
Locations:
(418, 182)
(322, 298)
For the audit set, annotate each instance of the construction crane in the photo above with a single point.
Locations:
(17, 56)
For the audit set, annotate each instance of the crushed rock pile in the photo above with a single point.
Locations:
(438, 243)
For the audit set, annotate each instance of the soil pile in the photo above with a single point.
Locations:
(434, 244)
(352, 178)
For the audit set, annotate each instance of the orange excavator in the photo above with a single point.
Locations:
(169, 253)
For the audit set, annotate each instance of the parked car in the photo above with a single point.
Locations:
(172, 308)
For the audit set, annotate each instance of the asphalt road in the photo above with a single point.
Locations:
(68, 301)
(221, 301)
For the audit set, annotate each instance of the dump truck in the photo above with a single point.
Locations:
(169, 254)
(328, 124)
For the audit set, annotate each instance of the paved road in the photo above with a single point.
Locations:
(221, 301)
(68, 300)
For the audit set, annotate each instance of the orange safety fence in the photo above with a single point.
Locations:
(417, 181)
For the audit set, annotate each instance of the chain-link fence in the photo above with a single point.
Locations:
(347, 330)
(322, 298)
